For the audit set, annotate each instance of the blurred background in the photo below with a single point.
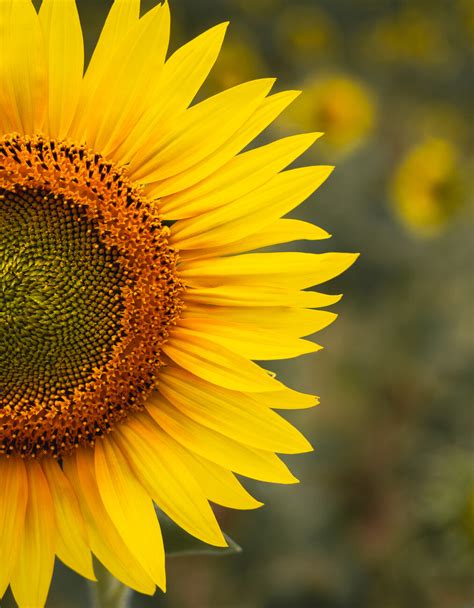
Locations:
(384, 516)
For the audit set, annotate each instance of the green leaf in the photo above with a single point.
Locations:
(177, 542)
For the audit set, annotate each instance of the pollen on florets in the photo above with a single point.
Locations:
(88, 293)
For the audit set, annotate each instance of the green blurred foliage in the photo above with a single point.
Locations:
(384, 516)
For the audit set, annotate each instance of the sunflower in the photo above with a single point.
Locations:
(341, 105)
(130, 313)
(428, 187)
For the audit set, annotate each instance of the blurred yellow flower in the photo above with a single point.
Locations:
(427, 187)
(340, 106)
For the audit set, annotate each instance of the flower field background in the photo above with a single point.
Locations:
(384, 516)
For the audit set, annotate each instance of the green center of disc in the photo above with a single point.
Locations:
(60, 296)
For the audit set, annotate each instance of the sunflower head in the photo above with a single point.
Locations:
(88, 291)
(131, 311)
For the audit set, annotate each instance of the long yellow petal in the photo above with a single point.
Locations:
(240, 295)
(263, 116)
(293, 270)
(121, 21)
(13, 499)
(293, 321)
(33, 571)
(219, 484)
(281, 231)
(130, 508)
(104, 538)
(23, 74)
(128, 86)
(217, 364)
(72, 546)
(235, 456)
(251, 213)
(198, 132)
(158, 463)
(239, 175)
(181, 78)
(250, 342)
(65, 53)
(122, 18)
(231, 413)
(285, 398)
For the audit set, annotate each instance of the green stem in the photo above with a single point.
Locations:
(108, 592)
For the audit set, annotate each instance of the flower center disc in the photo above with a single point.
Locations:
(88, 292)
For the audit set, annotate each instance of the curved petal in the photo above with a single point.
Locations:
(198, 132)
(72, 546)
(238, 176)
(23, 73)
(13, 500)
(247, 341)
(217, 364)
(106, 543)
(131, 509)
(159, 464)
(264, 114)
(296, 270)
(64, 50)
(249, 214)
(231, 413)
(33, 571)
(242, 459)
(182, 76)
(276, 233)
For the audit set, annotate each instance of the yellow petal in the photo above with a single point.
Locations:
(122, 18)
(31, 576)
(23, 74)
(264, 115)
(249, 214)
(219, 484)
(247, 341)
(240, 295)
(158, 463)
(217, 364)
(287, 399)
(231, 413)
(105, 541)
(240, 175)
(181, 78)
(293, 321)
(72, 545)
(242, 459)
(130, 508)
(293, 270)
(281, 231)
(65, 54)
(198, 132)
(127, 88)
(13, 499)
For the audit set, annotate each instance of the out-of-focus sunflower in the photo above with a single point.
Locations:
(428, 186)
(340, 106)
(130, 316)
